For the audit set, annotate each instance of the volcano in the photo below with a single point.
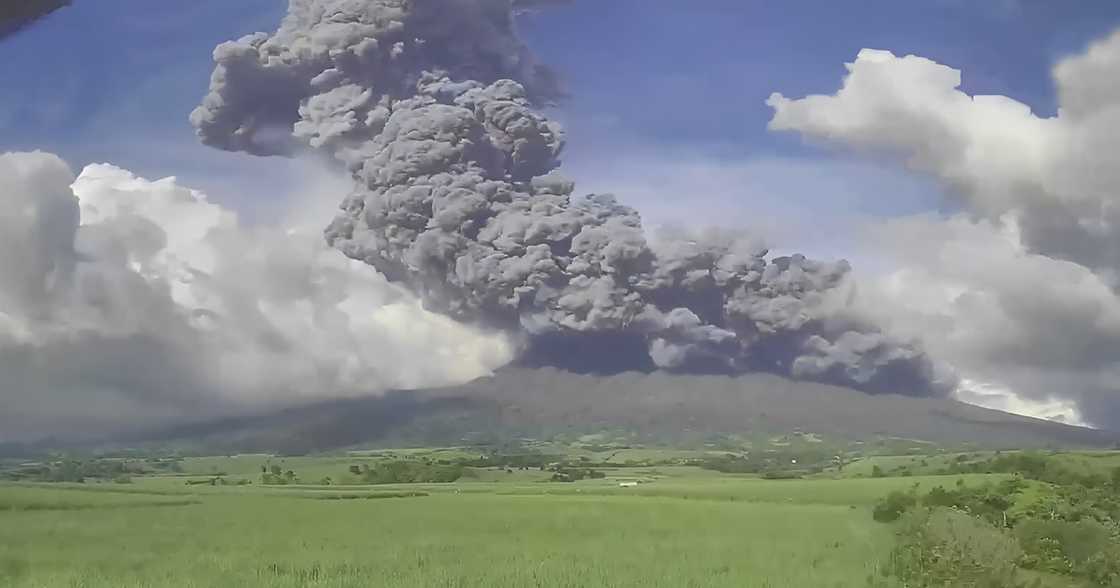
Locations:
(653, 408)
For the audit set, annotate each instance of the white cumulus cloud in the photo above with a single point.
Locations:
(128, 304)
(1018, 290)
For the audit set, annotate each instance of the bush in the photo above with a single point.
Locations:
(271, 479)
(1045, 555)
(943, 547)
(892, 507)
(989, 502)
(1103, 568)
(1060, 546)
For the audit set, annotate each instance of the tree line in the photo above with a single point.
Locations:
(1047, 518)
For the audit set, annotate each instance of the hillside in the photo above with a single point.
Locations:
(543, 403)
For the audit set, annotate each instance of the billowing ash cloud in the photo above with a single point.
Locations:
(21, 13)
(430, 105)
(127, 304)
(332, 61)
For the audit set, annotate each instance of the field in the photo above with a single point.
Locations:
(680, 526)
(471, 539)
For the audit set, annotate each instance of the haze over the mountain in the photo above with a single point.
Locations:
(657, 407)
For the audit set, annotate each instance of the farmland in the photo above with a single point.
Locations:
(214, 524)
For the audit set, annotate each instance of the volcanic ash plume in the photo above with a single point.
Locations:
(430, 105)
(17, 14)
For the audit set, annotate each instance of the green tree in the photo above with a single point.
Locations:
(892, 507)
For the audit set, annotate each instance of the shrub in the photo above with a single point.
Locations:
(1103, 568)
(271, 479)
(892, 507)
(1060, 546)
(989, 502)
(781, 475)
(1045, 555)
(944, 547)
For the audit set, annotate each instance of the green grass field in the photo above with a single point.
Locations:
(468, 539)
(681, 526)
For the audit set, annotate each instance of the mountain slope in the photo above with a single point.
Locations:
(661, 404)
(658, 407)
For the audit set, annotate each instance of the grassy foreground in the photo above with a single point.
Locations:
(327, 521)
(725, 532)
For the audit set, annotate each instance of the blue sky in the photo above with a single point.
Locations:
(667, 105)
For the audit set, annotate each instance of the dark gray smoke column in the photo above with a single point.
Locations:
(429, 103)
(16, 14)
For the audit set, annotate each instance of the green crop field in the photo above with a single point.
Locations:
(681, 525)
(469, 539)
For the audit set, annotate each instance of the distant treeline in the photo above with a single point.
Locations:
(568, 474)
(427, 471)
(733, 464)
(406, 472)
(519, 461)
(551, 462)
(79, 471)
(774, 465)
